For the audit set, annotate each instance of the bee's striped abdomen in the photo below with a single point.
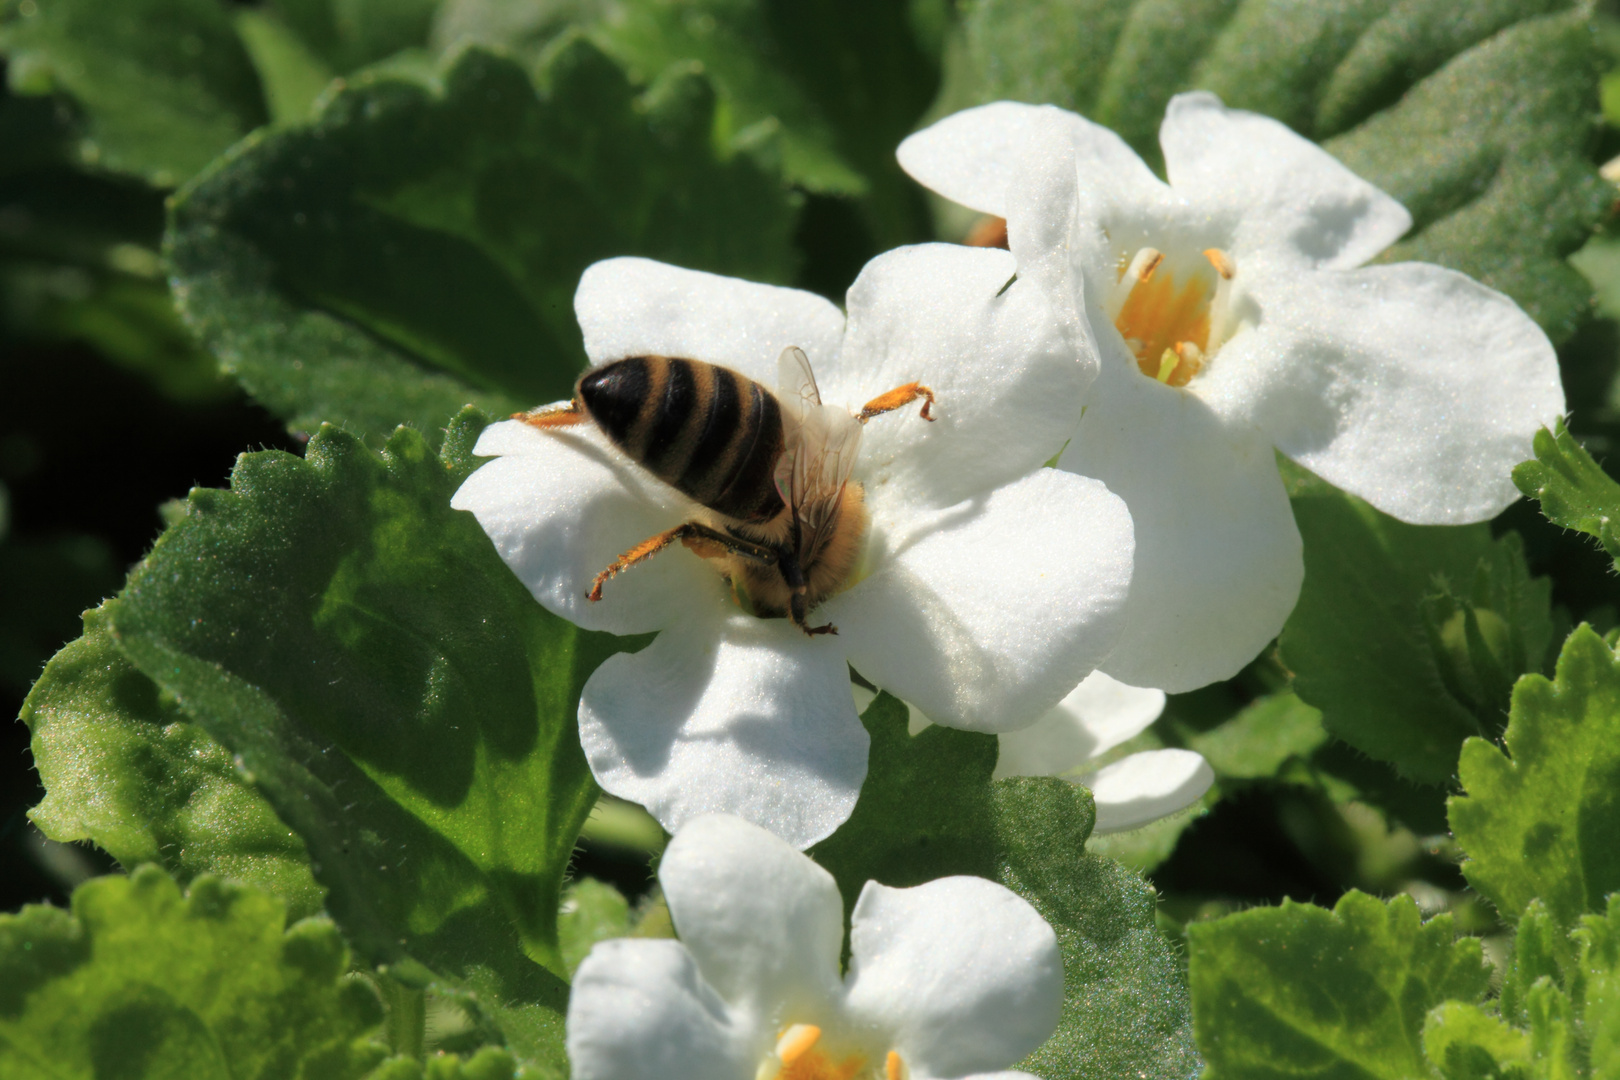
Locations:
(705, 430)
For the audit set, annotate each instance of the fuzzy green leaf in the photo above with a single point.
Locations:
(1598, 941)
(141, 982)
(1298, 990)
(592, 911)
(1542, 819)
(417, 246)
(1478, 117)
(1408, 637)
(928, 809)
(396, 694)
(1573, 490)
(163, 86)
(123, 766)
(1257, 742)
(1467, 1043)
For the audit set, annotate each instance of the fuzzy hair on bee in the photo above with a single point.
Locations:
(781, 518)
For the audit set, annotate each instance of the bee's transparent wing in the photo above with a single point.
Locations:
(796, 383)
(812, 471)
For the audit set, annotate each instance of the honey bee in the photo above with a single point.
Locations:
(785, 521)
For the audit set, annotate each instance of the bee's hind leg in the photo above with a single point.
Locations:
(898, 398)
(798, 614)
(695, 535)
(548, 416)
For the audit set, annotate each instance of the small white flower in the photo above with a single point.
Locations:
(985, 589)
(1232, 314)
(1098, 715)
(956, 978)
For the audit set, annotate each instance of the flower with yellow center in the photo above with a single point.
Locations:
(952, 980)
(1233, 318)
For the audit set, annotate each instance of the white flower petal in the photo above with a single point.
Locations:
(728, 713)
(1097, 716)
(1218, 559)
(965, 974)
(1292, 197)
(639, 1010)
(985, 615)
(765, 923)
(973, 156)
(1146, 787)
(561, 505)
(1415, 387)
(1007, 384)
(637, 307)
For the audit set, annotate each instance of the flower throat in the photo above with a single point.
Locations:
(1171, 313)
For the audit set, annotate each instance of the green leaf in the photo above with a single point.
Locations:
(349, 34)
(928, 809)
(1263, 737)
(1542, 820)
(1299, 990)
(417, 246)
(1467, 1043)
(1538, 949)
(123, 767)
(1478, 117)
(762, 109)
(1408, 637)
(163, 86)
(396, 694)
(293, 78)
(592, 911)
(1598, 941)
(138, 981)
(1573, 490)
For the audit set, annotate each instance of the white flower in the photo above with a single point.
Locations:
(1230, 318)
(1098, 715)
(955, 978)
(987, 586)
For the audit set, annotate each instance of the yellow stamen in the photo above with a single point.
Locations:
(1162, 310)
(796, 1041)
(1221, 262)
(893, 1067)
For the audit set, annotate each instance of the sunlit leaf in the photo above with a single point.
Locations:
(141, 982)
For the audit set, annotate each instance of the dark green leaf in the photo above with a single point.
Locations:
(123, 767)
(140, 982)
(163, 85)
(928, 809)
(1573, 490)
(1407, 637)
(1299, 990)
(292, 77)
(1542, 820)
(1478, 117)
(417, 246)
(397, 695)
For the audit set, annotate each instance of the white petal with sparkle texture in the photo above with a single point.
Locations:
(1293, 200)
(561, 505)
(765, 923)
(1145, 787)
(729, 713)
(639, 1010)
(965, 973)
(942, 315)
(1097, 716)
(973, 156)
(1413, 386)
(636, 307)
(985, 615)
(1218, 557)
